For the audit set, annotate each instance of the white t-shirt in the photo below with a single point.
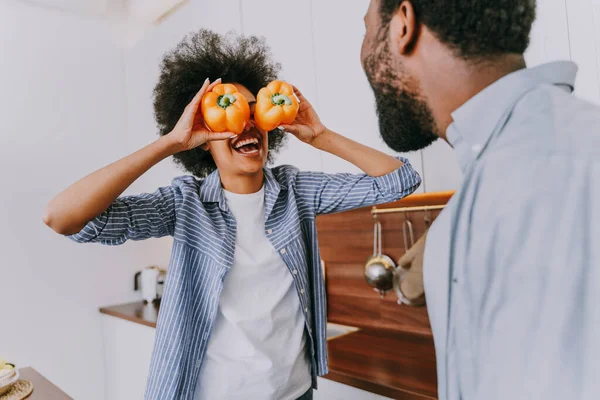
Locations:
(257, 348)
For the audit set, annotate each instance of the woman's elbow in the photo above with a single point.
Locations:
(54, 222)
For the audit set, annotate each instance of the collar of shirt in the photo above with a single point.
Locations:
(211, 190)
(476, 121)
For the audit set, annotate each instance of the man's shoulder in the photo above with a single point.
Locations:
(551, 120)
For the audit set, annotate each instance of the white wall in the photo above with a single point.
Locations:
(570, 29)
(142, 63)
(63, 113)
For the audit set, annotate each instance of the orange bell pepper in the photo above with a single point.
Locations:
(225, 109)
(276, 104)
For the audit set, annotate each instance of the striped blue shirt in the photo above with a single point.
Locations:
(195, 213)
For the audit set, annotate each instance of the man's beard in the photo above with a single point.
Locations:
(405, 120)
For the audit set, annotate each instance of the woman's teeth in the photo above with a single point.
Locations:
(245, 142)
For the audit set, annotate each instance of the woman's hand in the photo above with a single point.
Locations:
(190, 131)
(307, 126)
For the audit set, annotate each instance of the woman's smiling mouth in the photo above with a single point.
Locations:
(248, 143)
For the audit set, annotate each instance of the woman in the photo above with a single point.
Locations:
(243, 314)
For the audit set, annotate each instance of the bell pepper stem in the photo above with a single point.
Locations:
(226, 100)
(279, 99)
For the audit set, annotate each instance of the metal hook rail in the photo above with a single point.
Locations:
(377, 211)
(436, 202)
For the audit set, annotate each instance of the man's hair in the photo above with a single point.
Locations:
(474, 29)
(206, 54)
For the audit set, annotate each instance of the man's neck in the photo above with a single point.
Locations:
(242, 184)
(461, 81)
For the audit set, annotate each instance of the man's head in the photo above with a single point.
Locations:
(245, 62)
(405, 37)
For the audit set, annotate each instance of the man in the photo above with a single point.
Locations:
(243, 315)
(512, 265)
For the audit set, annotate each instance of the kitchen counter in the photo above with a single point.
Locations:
(391, 364)
(135, 312)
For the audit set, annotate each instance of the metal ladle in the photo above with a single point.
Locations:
(380, 269)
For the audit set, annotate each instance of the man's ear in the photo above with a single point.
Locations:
(404, 28)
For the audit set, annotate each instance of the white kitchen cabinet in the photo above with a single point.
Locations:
(128, 346)
(127, 351)
(330, 390)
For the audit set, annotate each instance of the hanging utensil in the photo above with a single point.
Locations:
(407, 226)
(401, 271)
(379, 269)
(428, 219)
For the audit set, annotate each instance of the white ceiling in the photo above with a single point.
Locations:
(131, 19)
(95, 7)
(151, 10)
(142, 10)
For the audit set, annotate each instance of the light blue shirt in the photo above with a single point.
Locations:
(196, 214)
(512, 265)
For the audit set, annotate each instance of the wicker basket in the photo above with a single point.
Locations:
(18, 391)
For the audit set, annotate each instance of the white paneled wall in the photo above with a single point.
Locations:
(287, 27)
(318, 43)
(323, 62)
(569, 30)
(584, 31)
(440, 168)
(142, 67)
(142, 64)
(563, 30)
(346, 102)
(550, 34)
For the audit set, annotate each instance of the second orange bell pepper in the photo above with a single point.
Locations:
(276, 104)
(225, 109)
